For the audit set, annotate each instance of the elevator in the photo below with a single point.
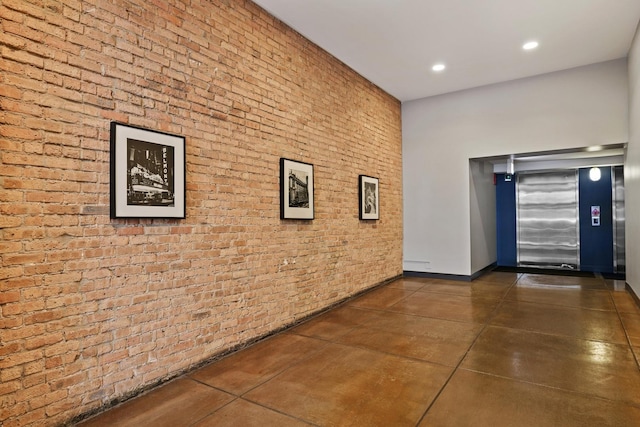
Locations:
(618, 220)
(547, 220)
(561, 220)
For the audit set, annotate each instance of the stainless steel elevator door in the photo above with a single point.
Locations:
(618, 220)
(547, 216)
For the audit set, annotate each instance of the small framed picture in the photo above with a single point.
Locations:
(296, 190)
(369, 193)
(148, 171)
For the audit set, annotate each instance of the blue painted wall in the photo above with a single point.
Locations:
(506, 221)
(596, 243)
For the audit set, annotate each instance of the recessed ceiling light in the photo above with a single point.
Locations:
(530, 45)
(438, 67)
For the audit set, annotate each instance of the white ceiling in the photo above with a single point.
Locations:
(394, 43)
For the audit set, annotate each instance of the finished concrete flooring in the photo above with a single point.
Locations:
(504, 350)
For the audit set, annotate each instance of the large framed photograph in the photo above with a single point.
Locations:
(147, 173)
(296, 190)
(369, 194)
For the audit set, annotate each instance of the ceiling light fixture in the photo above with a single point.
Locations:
(438, 67)
(530, 45)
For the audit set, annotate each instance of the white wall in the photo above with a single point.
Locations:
(482, 205)
(569, 109)
(632, 171)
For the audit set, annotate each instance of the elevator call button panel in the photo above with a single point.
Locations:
(595, 216)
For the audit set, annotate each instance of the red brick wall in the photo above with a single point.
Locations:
(94, 309)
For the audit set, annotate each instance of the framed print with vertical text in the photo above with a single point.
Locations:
(148, 170)
(369, 195)
(296, 190)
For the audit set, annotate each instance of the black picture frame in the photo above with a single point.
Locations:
(369, 197)
(296, 190)
(148, 173)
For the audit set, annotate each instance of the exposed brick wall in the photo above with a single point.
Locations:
(93, 309)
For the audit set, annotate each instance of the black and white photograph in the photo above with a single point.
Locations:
(369, 195)
(147, 173)
(150, 170)
(296, 190)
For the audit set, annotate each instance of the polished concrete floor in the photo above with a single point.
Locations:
(504, 350)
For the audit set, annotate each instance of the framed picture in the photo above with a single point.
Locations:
(369, 194)
(296, 190)
(147, 173)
